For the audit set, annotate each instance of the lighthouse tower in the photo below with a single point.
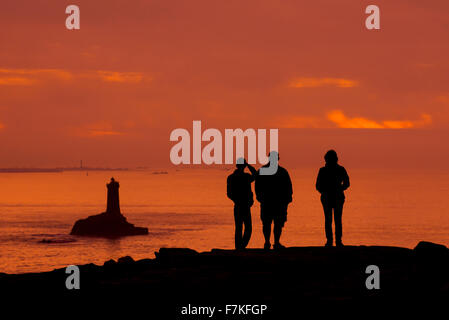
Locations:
(113, 202)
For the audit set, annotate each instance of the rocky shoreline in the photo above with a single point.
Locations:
(283, 280)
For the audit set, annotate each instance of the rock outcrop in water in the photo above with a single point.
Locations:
(109, 224)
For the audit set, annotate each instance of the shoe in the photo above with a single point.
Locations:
(339, 244)
(278, 246)
(267, 246)
(328, 244)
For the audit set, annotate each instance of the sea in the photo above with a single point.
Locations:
(189, 208)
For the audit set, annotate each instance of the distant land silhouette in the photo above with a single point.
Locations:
(111, 223)
(29, 170)
(92, 169)
(160, 172)
(58, 169)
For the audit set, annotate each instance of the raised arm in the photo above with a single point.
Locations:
(252, 170)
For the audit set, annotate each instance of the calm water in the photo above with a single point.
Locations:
(189, 208)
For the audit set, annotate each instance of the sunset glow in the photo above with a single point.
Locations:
(160, 66)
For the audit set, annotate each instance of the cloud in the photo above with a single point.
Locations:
(16, 81)
(114, 76)
(339, 119)
(96, 133)
(342, 121)
(1, 126)
(26, 77)
(56, 72)
(98, 129)
(323, 82)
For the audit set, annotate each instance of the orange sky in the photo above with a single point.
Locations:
(112, 92)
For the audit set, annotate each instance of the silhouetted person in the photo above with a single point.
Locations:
(113, 204)
(331, 182)
(239, 191)
(274, 192)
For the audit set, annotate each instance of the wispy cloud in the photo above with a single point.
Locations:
(114, 76)
(342, 121)
(26, 77)
(323, 82)
(98, 129)
(61, 73)
(96, 133)
(303, 122)
(16, 81)
(339, 119)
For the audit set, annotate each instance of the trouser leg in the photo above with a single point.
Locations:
(238, 227)
(328, 221)
(279, 221)
(338, 212)
(267, 231)
(248, 227)
(277, 231)
(266, 221)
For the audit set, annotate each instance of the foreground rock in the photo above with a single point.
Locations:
(110, 223)
(287, 281)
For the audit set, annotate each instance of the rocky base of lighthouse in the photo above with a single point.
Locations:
(110, 225)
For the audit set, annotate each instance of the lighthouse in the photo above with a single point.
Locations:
(109, 224)
(113, 202)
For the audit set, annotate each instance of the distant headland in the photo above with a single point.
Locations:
(58, 169)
